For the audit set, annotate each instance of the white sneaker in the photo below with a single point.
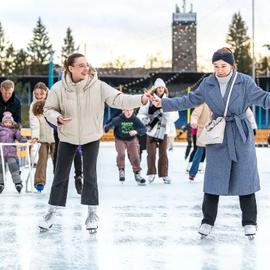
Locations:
(48, 220)
(92, 219)
(151, 178)
(167, 180)
(205, 229)
(250, 230)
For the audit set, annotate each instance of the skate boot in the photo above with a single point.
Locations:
(250, 231)
(19, 187)
(39, 187)
(151, 178)
(139, 179)
(47, 221)
(205, 229)
(201, 167)
(1, 187)
(188, 167)
(121, 175)
(78, 184)
(92, 219)
(167, 180)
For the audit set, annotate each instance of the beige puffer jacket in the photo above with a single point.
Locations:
(200, 116)
(40, 129)
(84, 102)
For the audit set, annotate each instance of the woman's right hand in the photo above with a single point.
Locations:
(194, 123)
(63, 120)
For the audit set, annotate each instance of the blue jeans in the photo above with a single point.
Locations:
(196, 161)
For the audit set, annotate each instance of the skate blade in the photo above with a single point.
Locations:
(41, 229)
(251, 237)
(202, 236)
(141, 184)
(92, 231)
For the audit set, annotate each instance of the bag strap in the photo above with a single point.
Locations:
(229, 96)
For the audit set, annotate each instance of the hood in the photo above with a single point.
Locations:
(83, 85)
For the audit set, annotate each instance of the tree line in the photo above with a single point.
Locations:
(35, 58)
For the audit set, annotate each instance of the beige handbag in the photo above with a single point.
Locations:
(213, 131)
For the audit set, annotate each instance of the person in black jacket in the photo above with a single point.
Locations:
(9, 102)
(126, 128)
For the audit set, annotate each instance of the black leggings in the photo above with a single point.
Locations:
(77, 157)
(66, 152)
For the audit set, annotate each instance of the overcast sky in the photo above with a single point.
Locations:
(107, 29)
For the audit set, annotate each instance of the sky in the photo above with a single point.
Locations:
(105, 30)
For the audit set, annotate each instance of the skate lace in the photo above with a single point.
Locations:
(92, 217)
(138, 177)
(121, 173)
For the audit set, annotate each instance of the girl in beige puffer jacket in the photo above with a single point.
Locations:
(76, 105)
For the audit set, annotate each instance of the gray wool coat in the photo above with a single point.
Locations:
(231, 167)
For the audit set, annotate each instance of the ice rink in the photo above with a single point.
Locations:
(141, 227)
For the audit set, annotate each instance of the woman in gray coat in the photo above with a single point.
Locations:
(231, 167)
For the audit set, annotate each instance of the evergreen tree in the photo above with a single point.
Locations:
(22, 63)
(9, 59)
(39, 48)
(2, 50)
(239, 43)
(69, 45)
(7, 54)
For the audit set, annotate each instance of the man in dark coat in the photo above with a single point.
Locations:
(9, 102)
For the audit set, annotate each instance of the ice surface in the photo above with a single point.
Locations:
(141, 227)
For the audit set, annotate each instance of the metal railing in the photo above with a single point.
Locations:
(28, 181)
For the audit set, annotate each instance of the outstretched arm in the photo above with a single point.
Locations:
(190, 100)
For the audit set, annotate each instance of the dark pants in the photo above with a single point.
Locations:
(189, 146)
(77, 157)
(194, 139)
(66, 154)
(247, 204)
(151, 147)
(133, 153)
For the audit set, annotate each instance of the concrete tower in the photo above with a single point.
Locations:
(184, 37)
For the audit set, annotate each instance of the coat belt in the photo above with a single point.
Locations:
(229, 132)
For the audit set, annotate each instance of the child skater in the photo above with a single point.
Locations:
(8, 134)
(40, 92)
(126, 128)
(42, 133)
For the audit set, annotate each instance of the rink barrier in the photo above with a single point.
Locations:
(23, 153)
(260, 139)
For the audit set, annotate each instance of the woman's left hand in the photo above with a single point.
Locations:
(156, 101)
